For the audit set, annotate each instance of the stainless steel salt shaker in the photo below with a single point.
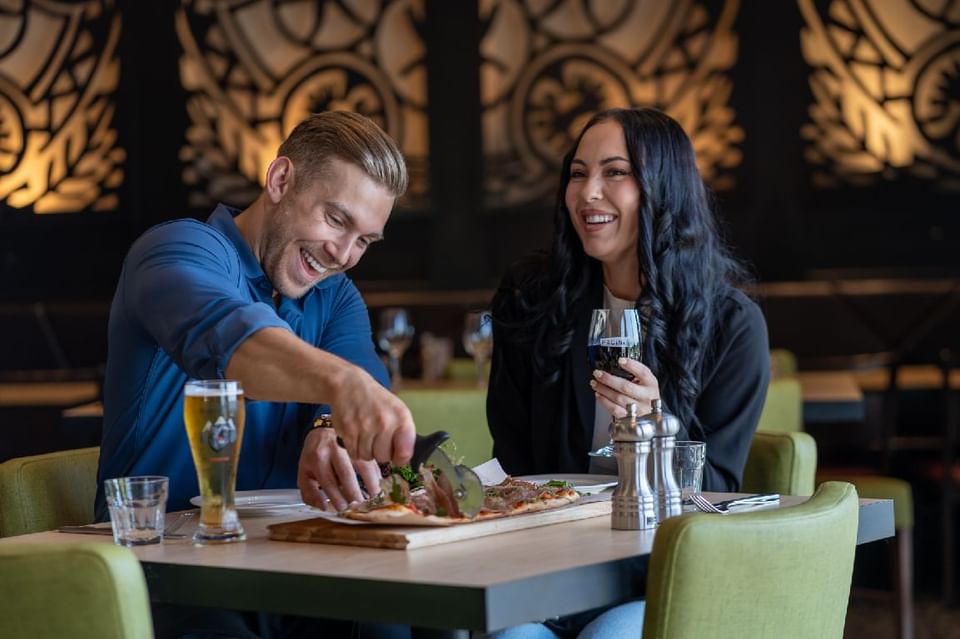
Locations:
(634, 505)
(665, 488)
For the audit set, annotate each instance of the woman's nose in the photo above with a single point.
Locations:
(593, 189)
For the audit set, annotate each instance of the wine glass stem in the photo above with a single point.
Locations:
(395, 370)
(481, 378)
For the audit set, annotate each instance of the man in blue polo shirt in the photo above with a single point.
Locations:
(260, 296)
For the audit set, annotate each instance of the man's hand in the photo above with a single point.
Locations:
(372, 422)
(327, 473)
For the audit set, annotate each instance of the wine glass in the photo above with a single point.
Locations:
(478, 341)
(394, 338)
(613, 334)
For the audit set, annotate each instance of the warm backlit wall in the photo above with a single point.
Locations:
(813, 120)
(885, 77)
(58, 81)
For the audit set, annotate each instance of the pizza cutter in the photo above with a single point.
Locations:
(466, 485)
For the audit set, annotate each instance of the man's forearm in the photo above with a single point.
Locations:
(273, 364)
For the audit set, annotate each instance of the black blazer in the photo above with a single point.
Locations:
(542, 428)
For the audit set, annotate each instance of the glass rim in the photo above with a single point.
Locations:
(138, 479)
(206, 387)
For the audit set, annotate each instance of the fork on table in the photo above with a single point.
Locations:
(739, 503)
(106, 529)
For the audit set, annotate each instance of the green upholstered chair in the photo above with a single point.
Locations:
(784, 463)
(461, 412)
(783, 363)
(86, 590)
(781, 573)
(464, 369)
(42, 492)
(783, 407)
(900, 491)
(783, 412)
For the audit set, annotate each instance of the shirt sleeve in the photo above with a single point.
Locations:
(184, 285)
(347, 333)
(733, 394)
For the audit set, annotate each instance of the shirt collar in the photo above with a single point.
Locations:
(222, 220)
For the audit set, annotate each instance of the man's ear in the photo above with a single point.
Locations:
(280, 177)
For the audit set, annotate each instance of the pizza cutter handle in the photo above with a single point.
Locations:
(424, 445)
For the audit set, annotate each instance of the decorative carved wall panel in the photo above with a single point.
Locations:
(886, 88)
(255, 68)
(548, 65)
(58, 79)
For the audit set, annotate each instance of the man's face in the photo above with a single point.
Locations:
(323, 228)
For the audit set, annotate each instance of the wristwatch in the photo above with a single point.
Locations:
(323, 420)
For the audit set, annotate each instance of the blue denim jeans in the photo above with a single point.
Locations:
(625, 620)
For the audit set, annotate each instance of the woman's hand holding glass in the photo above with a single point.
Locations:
(614, 392)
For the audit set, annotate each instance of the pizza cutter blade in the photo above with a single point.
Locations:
(467, 489)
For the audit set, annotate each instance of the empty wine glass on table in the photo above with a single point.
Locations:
(478, 341)
(394, 337)
(613, 334)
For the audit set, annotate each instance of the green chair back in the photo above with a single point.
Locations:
(464, 369)
(87, 590)
(784, 463)
(783, 363)
(878, 487)
(42, 492)
(460, 412)
(781, 573)
(783, 408)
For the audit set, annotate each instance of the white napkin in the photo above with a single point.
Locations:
(490, 472)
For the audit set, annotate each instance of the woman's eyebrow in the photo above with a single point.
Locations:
(613, 158)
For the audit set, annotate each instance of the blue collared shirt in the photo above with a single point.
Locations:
(189, 294)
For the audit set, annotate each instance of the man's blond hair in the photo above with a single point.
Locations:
(350, 137)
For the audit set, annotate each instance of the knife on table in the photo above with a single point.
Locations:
(752, 501)
(467, 489)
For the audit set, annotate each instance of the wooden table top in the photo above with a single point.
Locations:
(829, 386)
(913, 377)
(484, 584)
(47, 393)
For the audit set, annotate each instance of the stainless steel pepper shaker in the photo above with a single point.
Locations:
(634, 504)
(665, 488)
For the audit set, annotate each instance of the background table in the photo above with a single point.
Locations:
(830, 396)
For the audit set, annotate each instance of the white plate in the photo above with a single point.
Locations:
(260, 503)
(586, 484)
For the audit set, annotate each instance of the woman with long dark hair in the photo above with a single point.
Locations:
(633, 228)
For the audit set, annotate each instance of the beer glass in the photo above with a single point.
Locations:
(213, 412)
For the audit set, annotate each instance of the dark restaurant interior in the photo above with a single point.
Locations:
(827, 130)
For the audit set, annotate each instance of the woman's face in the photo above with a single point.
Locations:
(603, 197)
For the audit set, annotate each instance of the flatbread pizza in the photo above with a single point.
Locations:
(434, 506)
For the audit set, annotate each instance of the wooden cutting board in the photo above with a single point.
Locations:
(324, 531)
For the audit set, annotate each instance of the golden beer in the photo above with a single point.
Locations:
(213, 412)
